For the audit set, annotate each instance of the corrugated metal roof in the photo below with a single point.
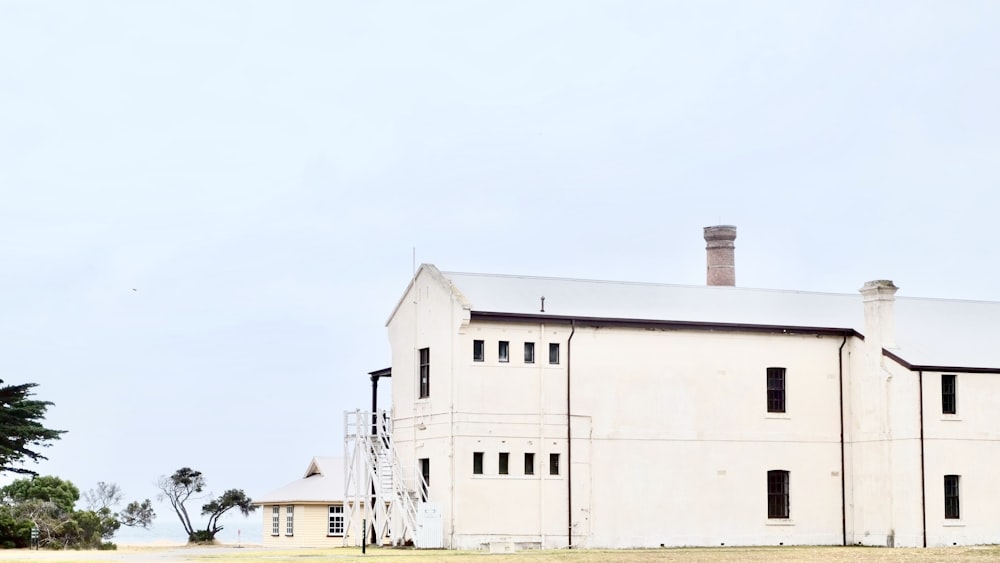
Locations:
(928, 331)
(324, 482)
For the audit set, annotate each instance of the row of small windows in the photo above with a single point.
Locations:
(503, 463)
(335, 522)
(503, 352)
(776, 402)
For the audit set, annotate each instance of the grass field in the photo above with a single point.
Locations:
(981, 554)
(707, 555)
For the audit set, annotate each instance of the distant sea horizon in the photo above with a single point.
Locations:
(167, 530)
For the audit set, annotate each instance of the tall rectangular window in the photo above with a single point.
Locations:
(275, 520)
(425, 472)
(777, 494)
(477, 463)
(775, 389)
(289, 520)
(529, 464)
(554, 353)
(553, 464)
(949, 395)
(529, 352)
(478, 351)
(504, 459)
(503, 352)
(425, 373)
(951, 508)
(336, 524)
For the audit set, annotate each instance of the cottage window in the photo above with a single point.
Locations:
(777, 494)
(425, 373)
(529, 464)
(478, 351)
(949, 394)
(554, 353)
(775, 389)
(503, 463)
(477, 463)
(290, 520)
(553, 464)
(336, 526)
(529, 352)
(951, 508)
(503, 353)
(275, 520)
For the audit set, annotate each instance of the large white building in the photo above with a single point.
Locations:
(560, 412)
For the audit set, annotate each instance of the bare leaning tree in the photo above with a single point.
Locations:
(187, 484)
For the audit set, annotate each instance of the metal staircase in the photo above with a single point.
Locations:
(379, 490)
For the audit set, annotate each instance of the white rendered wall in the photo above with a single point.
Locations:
(672, 441)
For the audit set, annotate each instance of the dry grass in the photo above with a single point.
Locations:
(979, 554)
(685, 555)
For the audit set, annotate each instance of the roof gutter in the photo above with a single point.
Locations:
(664, 324)
(953, 369)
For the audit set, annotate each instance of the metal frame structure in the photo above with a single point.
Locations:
(379, 491)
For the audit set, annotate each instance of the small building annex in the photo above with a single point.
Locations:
(308, 512)
(546, 412)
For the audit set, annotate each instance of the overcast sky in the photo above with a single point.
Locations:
(209, 209)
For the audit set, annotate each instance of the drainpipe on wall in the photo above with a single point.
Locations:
(569, 439)
(843, 486)
(923, 486)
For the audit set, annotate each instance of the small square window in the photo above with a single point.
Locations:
(554, 353)
(529, 352)
(478, 351)
(477, 463)
(504, 459)
(503, 352)
(949, 394)
(529, 464)
(553, 464)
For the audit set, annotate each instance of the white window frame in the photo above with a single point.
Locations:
(276, 520)
(335, 524)
(290, 520)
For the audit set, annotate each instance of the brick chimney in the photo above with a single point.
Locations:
(879, 296)
(721, 254)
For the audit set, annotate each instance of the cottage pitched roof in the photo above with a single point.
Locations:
(945, 333)
(323, 482)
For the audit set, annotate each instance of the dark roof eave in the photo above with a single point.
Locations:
(642, 323)
(953, 369)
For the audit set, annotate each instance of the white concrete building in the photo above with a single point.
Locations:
(559, 412)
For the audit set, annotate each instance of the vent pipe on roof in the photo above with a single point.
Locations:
(721, 254)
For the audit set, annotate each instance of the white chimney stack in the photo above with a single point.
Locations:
(880, 322)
